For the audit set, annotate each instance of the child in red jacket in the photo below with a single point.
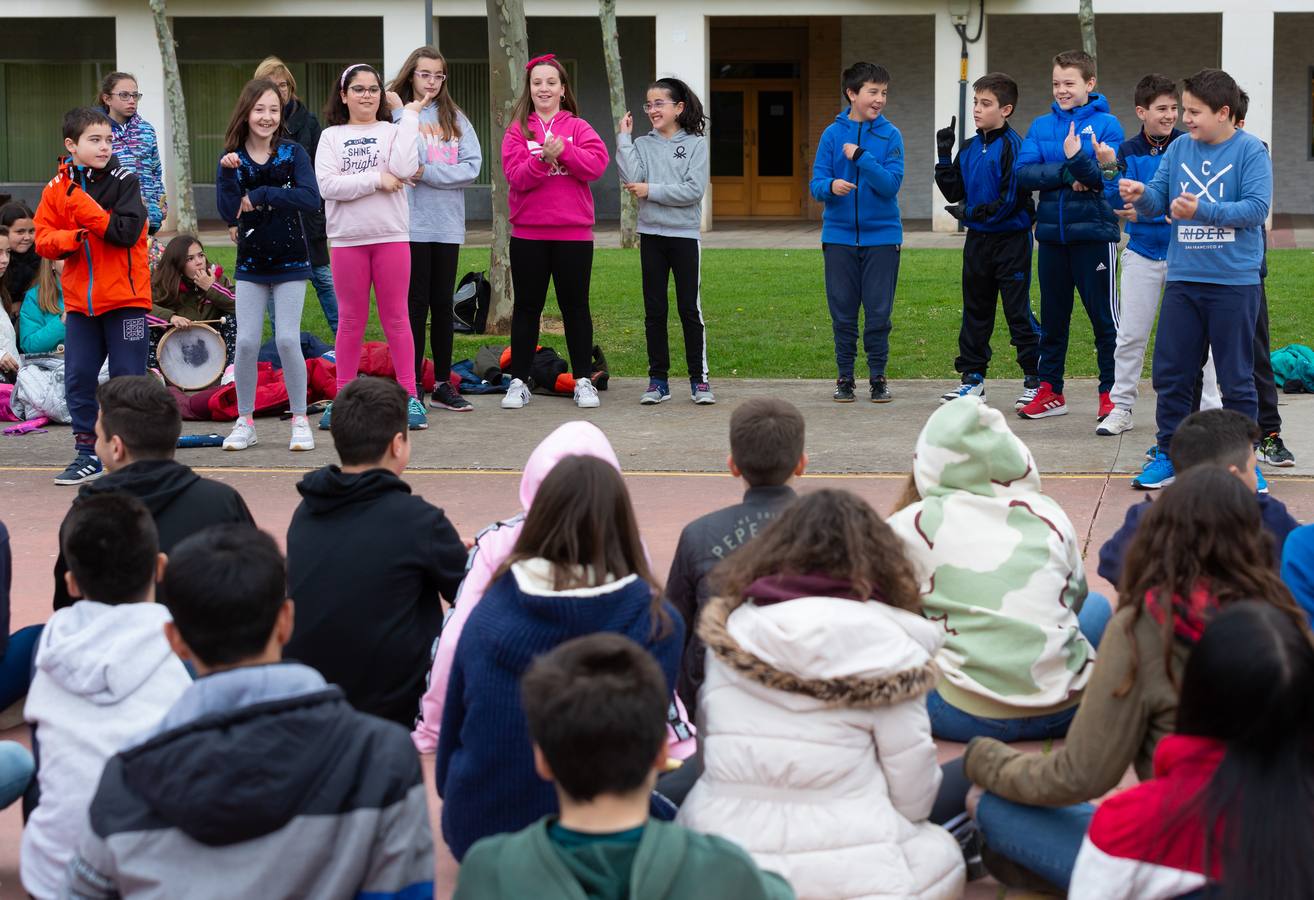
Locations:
(92, 216)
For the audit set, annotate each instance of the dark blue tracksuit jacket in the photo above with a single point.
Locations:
(1139, 160)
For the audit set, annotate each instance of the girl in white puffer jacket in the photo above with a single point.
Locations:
(816, 743)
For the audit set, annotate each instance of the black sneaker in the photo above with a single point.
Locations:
(445, 397)
(85, 468)
(844, 386)
(880, 391)
(1274, 452)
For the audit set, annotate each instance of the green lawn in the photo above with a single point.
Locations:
(766, 314)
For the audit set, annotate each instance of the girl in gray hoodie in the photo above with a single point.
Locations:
(667, 170)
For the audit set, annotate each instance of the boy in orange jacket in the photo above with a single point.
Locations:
(92, 216)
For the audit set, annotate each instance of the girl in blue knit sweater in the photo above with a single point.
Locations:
(578, 568)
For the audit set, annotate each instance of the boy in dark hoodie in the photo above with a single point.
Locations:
(1070, 155)
(92, 216)
(136, 434)
(1217, 437)
(260, 781)
(857, 174)
(596, 708)
(367, 560)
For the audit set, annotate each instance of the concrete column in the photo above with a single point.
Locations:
(1248, 57)
(683, 47)
(948, 54)
(137, 50)
(404, 28)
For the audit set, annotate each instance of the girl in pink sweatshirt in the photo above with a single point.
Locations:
(363, 163)
(550, 156)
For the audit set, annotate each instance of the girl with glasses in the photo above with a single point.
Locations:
(135, 143)
(449, 162)
(363, 163)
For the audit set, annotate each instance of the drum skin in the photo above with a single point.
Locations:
(191, 358)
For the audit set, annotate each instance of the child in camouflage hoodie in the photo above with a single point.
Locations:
(1001, 572)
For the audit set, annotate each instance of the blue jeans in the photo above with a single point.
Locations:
(952, 724)
(16, 771)
(861, 278)
(1043, 839)
(16, 665)
(322, 278)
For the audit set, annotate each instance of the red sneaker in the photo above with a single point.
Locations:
(1106, 406)
(1047, 403)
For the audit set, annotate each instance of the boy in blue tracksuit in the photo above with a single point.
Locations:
(1070, 156)
(981, 187)
(1217, 188)
(857, 174)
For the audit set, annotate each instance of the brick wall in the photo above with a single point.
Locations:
(906, 46)
(821, 89)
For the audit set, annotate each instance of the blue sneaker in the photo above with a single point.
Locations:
(1152, 454)
(658, 391)
(1157, 474)
(972, 386)
(416, 418)
(1261, 486)
(702, 393)
(85, 468)
(324, 419)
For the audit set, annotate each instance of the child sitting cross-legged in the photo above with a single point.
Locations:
(816, 743)
(596, 708)
(261, 781)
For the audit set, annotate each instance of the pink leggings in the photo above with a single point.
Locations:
(388, 268)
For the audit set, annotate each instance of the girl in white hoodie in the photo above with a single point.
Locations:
(816, 743)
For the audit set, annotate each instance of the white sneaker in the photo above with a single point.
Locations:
(302, 438)
(517, 395)
(1116, 422)
(586, 395)
(242, 436)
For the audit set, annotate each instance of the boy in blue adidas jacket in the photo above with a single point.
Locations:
(981, 187)
(857, 174)
(1070, 156)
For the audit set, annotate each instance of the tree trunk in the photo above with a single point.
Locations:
(182, 151)
(508, 51)
(1086, 15)
(629, 207)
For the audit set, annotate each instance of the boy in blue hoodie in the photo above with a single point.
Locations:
(1071, 157)
(1224, 183)
(857, 174)
(981, 187)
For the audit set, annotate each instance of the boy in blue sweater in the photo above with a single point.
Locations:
(1145, 259)
(857, 174)
(1070, 156)
(1223, 184)
(983, 193)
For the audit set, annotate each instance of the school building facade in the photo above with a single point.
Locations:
(768, 72)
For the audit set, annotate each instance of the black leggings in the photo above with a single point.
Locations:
(660, 257)
(569, 265)
(433, 278)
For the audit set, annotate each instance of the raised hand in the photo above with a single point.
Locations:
(627, 124)
(394, 100)
(1103, 152)
(415, 105)
(945, 137)
(552, 148)
(230, 160)
(849, 150)
(1184, 206)
(839, 187)
(1130, 191)
(1071, 143)
(205, 280)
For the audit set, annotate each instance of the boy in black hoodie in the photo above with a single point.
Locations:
(136, 435)
(366, 560)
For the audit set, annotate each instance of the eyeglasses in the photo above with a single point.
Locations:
(361, 90)
(125, 96)
(655, 105)
(431, 76)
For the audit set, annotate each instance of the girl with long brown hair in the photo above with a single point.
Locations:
(578, 568)
(42, 313)
(1200, 548)
(265, 184)
(187, 287)
(450, 160)
(816, 742)
(550, 157)
(135, 143)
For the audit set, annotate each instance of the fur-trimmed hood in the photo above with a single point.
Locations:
(843, 653)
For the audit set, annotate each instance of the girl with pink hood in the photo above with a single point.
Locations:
(492, 546)
(550, 156)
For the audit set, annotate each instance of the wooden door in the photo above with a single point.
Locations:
(756, 139)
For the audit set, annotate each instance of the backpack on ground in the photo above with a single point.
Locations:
(1293, 369)
(470, 304)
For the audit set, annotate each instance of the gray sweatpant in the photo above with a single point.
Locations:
(288, 297)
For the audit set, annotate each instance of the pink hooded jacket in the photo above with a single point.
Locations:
(492, 546)
(552, 201)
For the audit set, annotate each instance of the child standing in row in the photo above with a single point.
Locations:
(91, 215)
(135, 143)
(449, 162)
(265, 185)
(363, 163)
(981, 186)
(667, 170)
(857, 175)
(550, 156)
(1075, 170)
